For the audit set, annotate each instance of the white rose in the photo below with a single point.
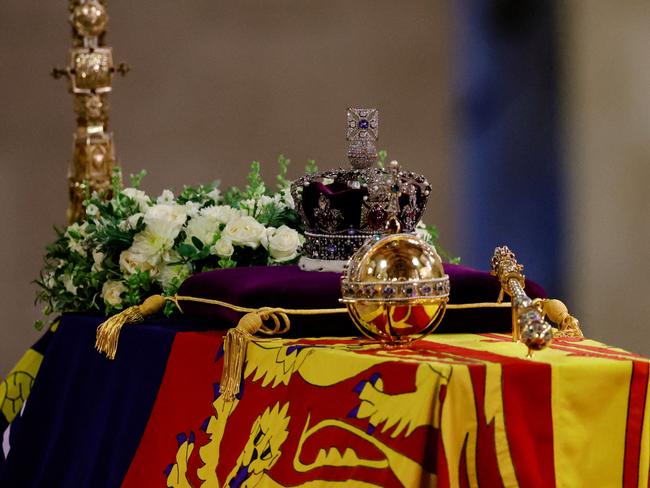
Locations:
(202, 227)
(98, 260)
(139, 196)
(244, 231)
(165, 198)
(66, 279)
(145, 253)
(221, 213)
(223, 248)
(165, 221)
(283, 244)
(112, 291)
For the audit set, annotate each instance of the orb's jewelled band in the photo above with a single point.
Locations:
(395, 291)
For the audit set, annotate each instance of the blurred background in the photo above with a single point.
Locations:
(530, 118)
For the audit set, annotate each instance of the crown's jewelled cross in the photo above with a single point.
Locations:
(362, 132)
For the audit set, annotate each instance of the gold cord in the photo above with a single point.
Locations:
(108, 332)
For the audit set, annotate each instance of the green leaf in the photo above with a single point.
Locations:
(197, 242)
(186, 250)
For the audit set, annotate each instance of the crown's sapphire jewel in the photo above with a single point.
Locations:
(363, 124)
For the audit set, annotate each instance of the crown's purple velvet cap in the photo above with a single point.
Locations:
(290, 287)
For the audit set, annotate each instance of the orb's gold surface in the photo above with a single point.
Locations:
(395, 288)
(398, 257)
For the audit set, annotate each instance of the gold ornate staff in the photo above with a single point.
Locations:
(90, 74)
(528, 324)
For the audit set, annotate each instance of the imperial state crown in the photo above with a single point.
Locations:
(342, 208)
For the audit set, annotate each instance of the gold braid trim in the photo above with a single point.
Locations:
(108, 332)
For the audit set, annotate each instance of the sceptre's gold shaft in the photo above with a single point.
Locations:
(528, 324)
(90, 74)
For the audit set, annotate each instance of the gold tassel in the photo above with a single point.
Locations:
(108, 332)
(235, 344)
(558, 313)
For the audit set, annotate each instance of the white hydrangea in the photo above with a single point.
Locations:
(165, 221)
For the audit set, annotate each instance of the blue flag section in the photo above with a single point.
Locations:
(111, 401)
(507, 85)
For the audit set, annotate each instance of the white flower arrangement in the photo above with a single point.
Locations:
(132, 245)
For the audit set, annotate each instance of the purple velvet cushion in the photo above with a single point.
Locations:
(290, 287)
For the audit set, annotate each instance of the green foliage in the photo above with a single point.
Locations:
(136, 179)
(281, 178)
(310, 167)
(255, 188)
